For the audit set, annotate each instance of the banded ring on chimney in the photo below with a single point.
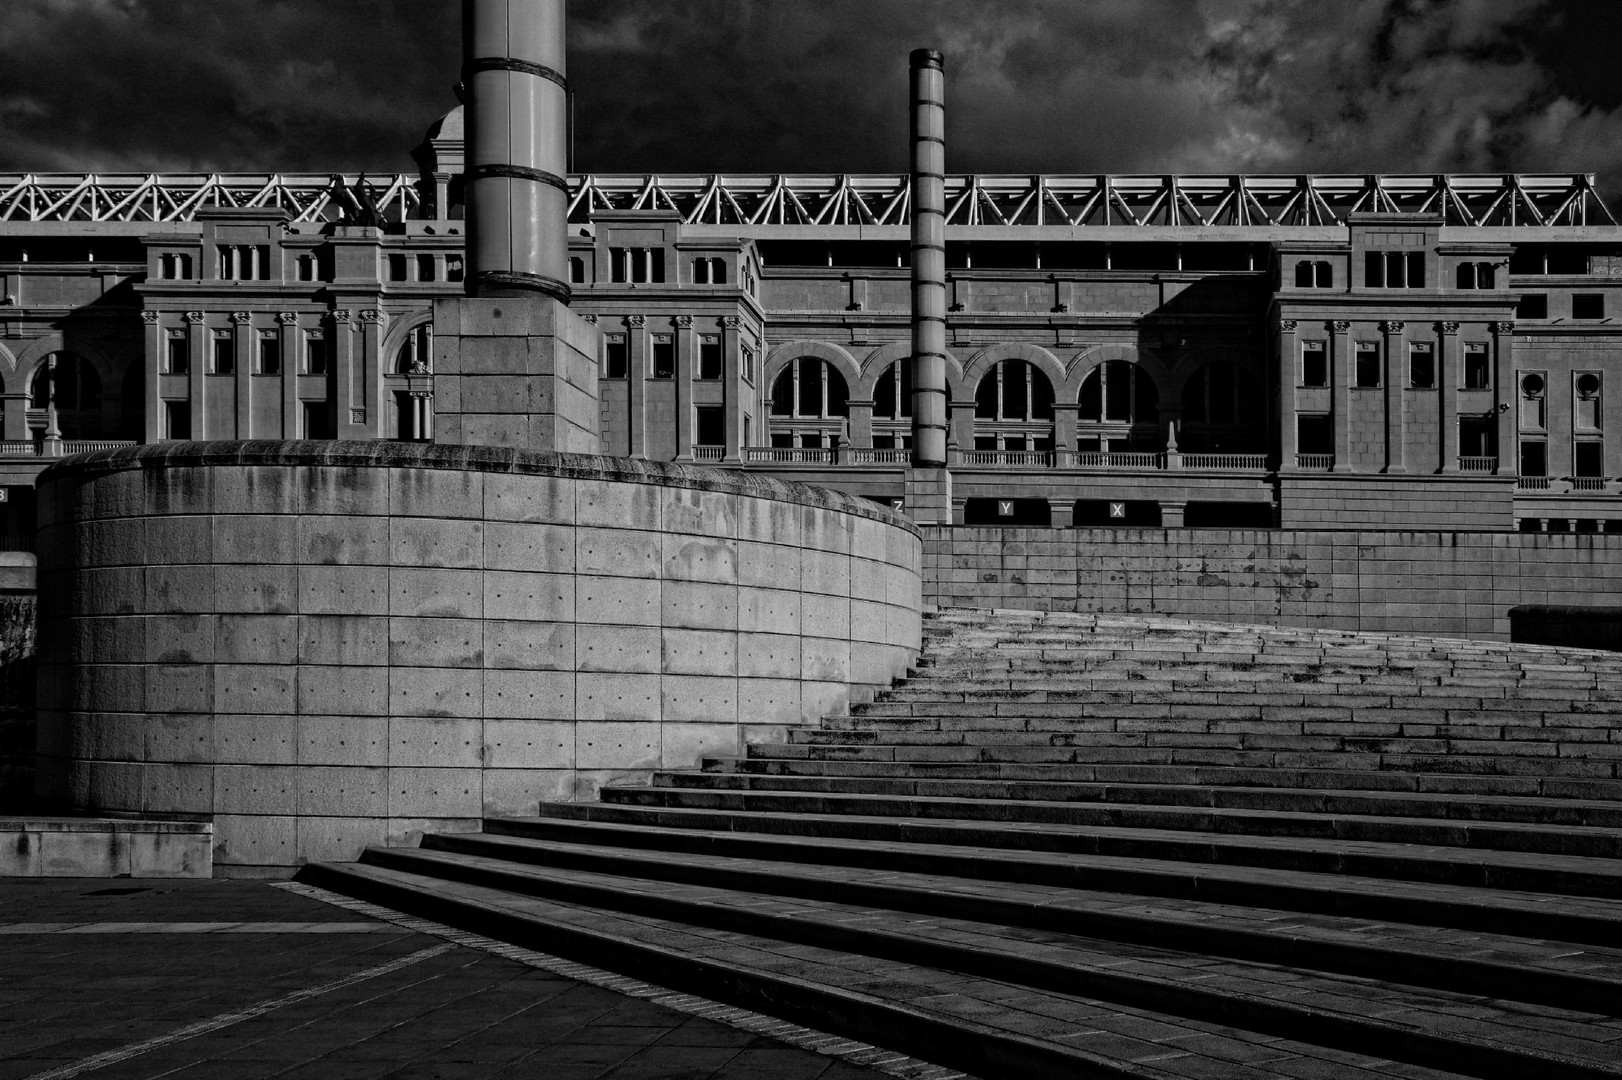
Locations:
(513, 69)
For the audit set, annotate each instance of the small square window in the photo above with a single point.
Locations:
(1588, 306)
(710, 429)
(177, 419)
(425, 268)
(397, 268)
(1534, 459)
(1587, 459)
(1533, 306)
(318, 421)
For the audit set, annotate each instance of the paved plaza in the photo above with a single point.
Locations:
(126, 978)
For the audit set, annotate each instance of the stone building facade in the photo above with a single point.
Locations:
(1256, 352)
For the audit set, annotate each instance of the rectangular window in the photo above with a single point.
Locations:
(1532, 306)
(225, 356)
(315, 355)
(1476, 374)
(710, 428)
(1421, 366)
(709, 357)
(318, 420)
(425, 268)
(1394, 269)
(397, 268)
(664, 357)
(1587, 459)
(177, 419)
(177, 359)
(619, 265)
(1314, 435)
(1368, 364)
(453, 268)
(748, 357)
(1478, 436)
(1588, 306)
(270, 355)
(619, 362)
(577, 270)
(1314, 364)
(306, 267)
(1534, 458)
(782, 440)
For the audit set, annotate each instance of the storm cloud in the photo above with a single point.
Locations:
(819, 85)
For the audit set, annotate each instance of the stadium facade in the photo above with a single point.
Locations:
(1323, 352)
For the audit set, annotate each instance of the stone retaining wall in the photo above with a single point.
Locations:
(327, 645)
(1457, 584)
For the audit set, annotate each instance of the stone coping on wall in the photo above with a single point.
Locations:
(486, 459)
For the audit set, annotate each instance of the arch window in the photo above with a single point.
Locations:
(1119, 410)
(416, 355)
(1013, 408)
(72, 384)
(1221, 412)
(809, 403)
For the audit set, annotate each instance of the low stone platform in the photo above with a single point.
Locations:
(85, 847)
(1076, 845)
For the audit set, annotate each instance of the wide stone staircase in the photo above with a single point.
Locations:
(1102, 846)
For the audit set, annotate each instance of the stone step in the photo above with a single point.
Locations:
(1314, 800)
(988, 1027)
(1408, 1024)
(1554, 974)
(1507, 741)
(976, 857)
(1117, 820)
(1529, 785)
(842, 817)
(1481, 763)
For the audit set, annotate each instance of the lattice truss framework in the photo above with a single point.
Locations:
(763, 201)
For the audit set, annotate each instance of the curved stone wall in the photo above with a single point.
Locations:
(327, 645)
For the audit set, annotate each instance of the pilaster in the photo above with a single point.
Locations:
(1341, 375)
(1504, 394)
(1289, 378)
(242, 345)
(1395, 420)
(1448, 376)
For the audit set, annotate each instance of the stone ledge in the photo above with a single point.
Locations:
(487, 459)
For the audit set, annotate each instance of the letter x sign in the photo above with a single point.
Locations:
(1117, 510)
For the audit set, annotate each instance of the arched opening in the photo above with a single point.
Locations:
(809, 404)
(72, 384)
(1013, 409)
(410, 386)
(892, 407)
(1222, 411)
(1119, 410)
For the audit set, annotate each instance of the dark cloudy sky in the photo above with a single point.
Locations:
(818, 85)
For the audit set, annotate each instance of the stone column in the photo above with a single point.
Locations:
(342, 347)
(356, 417)
(636, 391)
(243, 344)
(1395, 422)
(1064, 433)
(292, 357)
(157, 346)
(861, 422)
(1289, 377)
(197, 353)
(683, 342)
(1341, 375)
(1171, 514)
(1504, 394)
(963, 424)
(1448, 377)
(732, 379)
